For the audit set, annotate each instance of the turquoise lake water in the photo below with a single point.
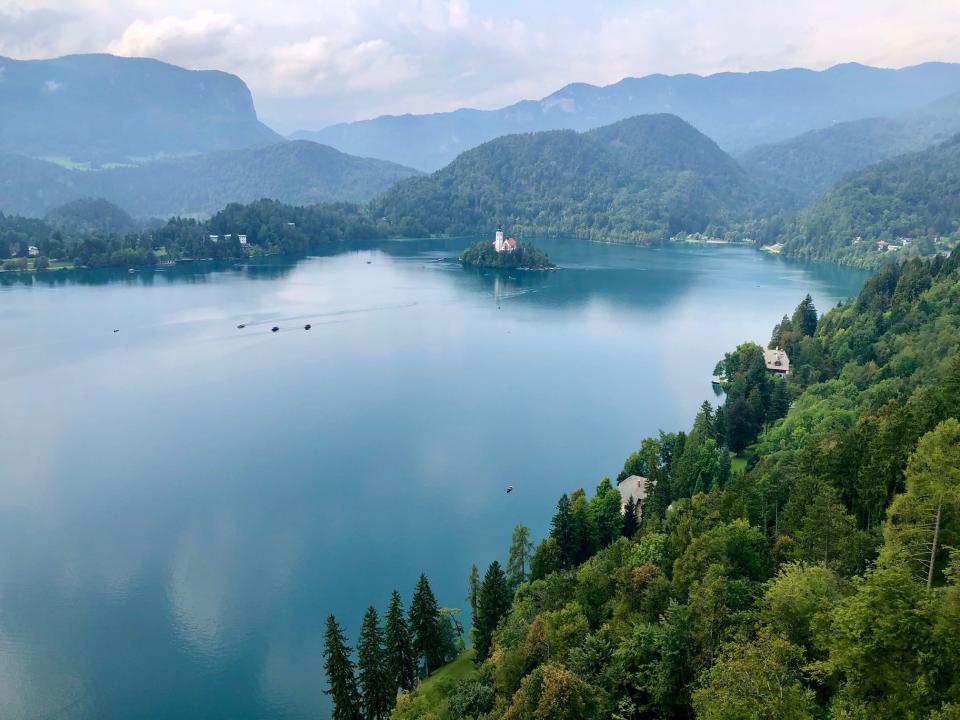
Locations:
(183, 502)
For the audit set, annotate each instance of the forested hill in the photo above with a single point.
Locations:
(806, 166)
(639, 180)
(102, 108)
(914, 196)
(738, 110)
(299, 173)
(815, 575)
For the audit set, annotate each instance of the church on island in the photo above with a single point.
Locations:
(501, 245)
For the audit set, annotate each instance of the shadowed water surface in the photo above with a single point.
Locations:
(182, 502)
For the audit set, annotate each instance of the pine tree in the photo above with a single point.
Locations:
(473, 592)
(493, 605)
(371, 666)
(804, 318)
(401, 661)
(424, 620)
(340, 677)
(561, 530)
(630, 519)
(519, 559)
(584, 528)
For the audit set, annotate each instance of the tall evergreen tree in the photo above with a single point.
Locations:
(804, 318)
(424, 625)
(401, 661)
(584, 528)
(630, 519)
(519, 559)
(341, 681)
(561, 530)
(493, 606)
(473, 592)
(605, 506)
(372, 672)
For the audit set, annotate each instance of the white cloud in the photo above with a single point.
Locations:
(345, 59)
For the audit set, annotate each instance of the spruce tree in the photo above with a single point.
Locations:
(424, 621)
(401, 662)
(342, 684)
(473, 592)
(371, 668)
(519, 558)
(630, 519)
(561, 530)
(804, 318)
(493, 605)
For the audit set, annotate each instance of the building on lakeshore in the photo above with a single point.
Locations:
(242, 239)
(33, 251)
(776, 361)
(632, 487)
(214, 238)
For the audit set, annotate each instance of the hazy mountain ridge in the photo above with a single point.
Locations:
(806, 166)
(103, 109)
(738, 110)
(297, 173)
(639, 180)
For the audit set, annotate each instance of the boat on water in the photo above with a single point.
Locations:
(274, 329)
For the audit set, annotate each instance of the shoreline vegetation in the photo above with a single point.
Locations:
(793, 554)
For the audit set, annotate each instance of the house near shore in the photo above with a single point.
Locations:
(33, 251)
(634, 487)
(776, 361)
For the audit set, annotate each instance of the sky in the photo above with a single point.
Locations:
(310, 64)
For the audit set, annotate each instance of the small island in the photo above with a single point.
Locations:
(506, 253)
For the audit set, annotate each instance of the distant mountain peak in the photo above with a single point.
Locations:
(100, 108)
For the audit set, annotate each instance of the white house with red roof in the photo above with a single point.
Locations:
(503, 245)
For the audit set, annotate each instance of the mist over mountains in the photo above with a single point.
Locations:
(737, 110)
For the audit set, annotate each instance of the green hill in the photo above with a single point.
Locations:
(639, 180)
(806, 166)
(914, 196)
(738, 110)
(91, 215)
(298, 173)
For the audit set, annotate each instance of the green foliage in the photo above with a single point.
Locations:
(761, 680)
(425, 626)
(644, 179)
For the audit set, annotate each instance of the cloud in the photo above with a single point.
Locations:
(347, 59)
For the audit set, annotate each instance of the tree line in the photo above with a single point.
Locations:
(815, 578)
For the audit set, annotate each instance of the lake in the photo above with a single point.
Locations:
(183, 502)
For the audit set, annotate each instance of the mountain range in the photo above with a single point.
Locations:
(737, 110)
